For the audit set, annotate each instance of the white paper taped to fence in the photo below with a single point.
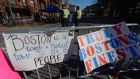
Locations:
(28, 51)
(107, 45)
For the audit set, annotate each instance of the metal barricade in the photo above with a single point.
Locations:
(74, 68)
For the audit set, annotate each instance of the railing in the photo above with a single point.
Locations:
(74, 67)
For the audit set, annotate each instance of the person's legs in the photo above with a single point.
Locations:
(66, 22)
(62, 22)
(76, 22)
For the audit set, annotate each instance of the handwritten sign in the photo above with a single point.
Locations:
(6, 70)
(28, 51)
(107, 45)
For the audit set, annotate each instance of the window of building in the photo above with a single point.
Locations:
(63, 1)
(32, 3)
(13, 1)
(24, 2)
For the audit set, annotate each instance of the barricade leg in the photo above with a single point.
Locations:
(60, 71)
(49, 71)
(38, 74)
(25, 76)
(69, 73)
(77, 72)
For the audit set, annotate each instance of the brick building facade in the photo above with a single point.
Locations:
(24, 7)
(27, 8)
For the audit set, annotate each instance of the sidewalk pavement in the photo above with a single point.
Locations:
(37, 26)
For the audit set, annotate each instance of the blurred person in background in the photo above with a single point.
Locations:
(64, 16)
(78, 15)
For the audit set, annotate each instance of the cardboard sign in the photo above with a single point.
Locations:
(28, 51)
(6, 69)
(107, 45)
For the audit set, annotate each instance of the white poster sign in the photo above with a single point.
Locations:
(28, 51)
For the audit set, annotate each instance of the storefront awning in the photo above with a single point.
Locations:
(50, 8)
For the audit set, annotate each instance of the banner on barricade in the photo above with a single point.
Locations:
(6, 69)
(28, 51)
(107, 45)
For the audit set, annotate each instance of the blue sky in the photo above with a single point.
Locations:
(82, 3)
